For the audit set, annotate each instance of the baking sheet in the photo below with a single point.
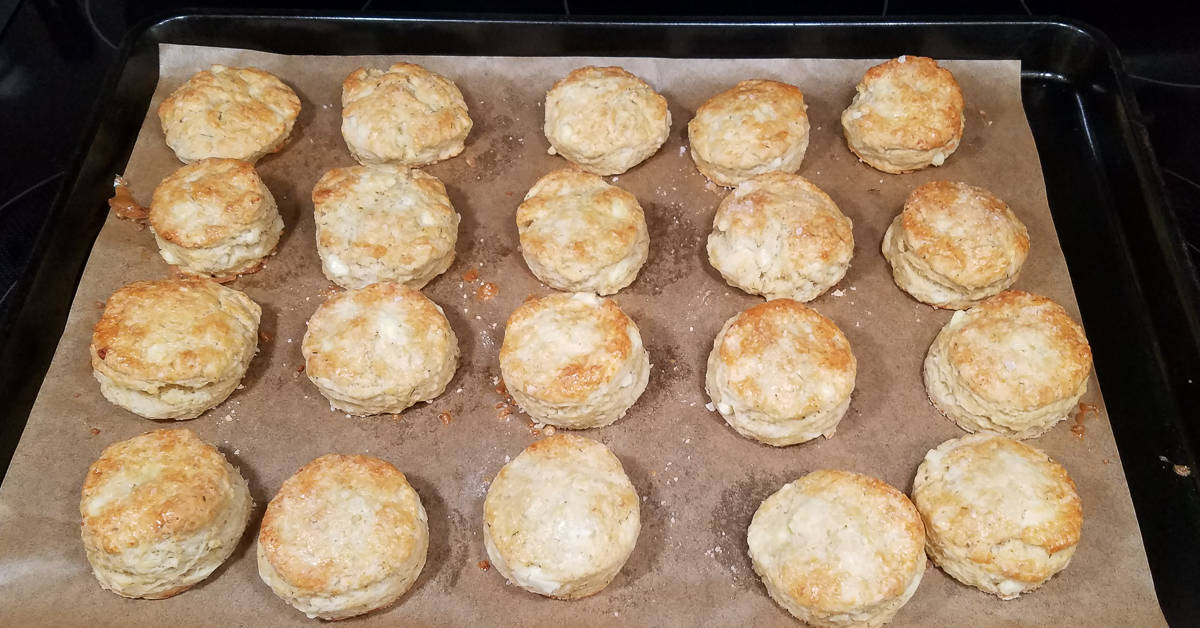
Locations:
(700, 481)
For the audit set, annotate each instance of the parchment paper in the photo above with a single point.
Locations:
(700, 481)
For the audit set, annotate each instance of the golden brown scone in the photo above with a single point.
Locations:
(561, 518)
(383, 223)
(838, 549)
(580, 234)
(405, 115)
(239, 113)
(907, 114)
(605, 120)
(172, 349)
(215, 218)
(754, 127)
(954, 245)
(781, 373)
(1015, 364)
(573, 360)
(344, 536)
(999, 515)
(160, 512)
(780, 236)
(379, 349)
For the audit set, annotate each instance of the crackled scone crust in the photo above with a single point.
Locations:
(573, 360)
(214, 218)
(780, 373)
(383, 223)
(405, 115)
(1017, 364)
(838, 549)
(379, 349)
(561, 518)
(239, 113)
(907, 114)
(999, 514)
(780, 236)
(754, 127)
(343, 536)
(580, 234)
(955, 244)
(605, 120)
(171, 349)
(160, 512)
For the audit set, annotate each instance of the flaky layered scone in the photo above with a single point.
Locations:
(754, 127)
(238, 113)
(573, 360)
(580, 234)
(344, 536)
(1017, 363)
(838, 549)
(605, 120)
(160, 512)
(405, 115)
(172, 349)
(561, 518)
(907, 114)
(954, 245)
(999, 515)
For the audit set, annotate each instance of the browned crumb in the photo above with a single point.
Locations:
(124, 205)
(1182, 470)
(471, 275)
(329, 291)
(484, 565)
(486, 292)
(95, 431)
(264, 336)
(1084, 409)
(470, 160)
(300, 369)
(100, 305)
(75, 396)
(445, 418)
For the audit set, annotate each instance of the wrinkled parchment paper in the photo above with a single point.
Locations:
(700, 481)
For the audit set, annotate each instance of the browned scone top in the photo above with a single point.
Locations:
(207, 201)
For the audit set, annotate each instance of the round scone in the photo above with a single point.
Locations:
(573, 360)
(160, 512)
(999, 515)
(172, 349)
(379, 349)
(1015, 364)
(954, 245)
(754, 127)
(780, 236)
(907, 114)
(404, 115)
(561, 518)
(239, 113)
(215, 218)
(781, 373)
(344, 536)
(580, 234)
(383, 223)
(605, 120)
(837, 549)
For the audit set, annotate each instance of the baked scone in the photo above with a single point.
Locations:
(605, 120)
(780, 236)
(837, 549)
(238, 113)
(215, 218)
(907, 114)
(379, 349)
(160, 512)
(1015, 364)
(754, 127)
(580, 234)
(573, 360)
(344, 536)
(383, 223)
(954, 245)
(173, 348)
(561, 518)
(780, 373)
(405, 115)
(999, 515)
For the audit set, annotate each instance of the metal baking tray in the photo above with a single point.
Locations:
(1140, 304)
